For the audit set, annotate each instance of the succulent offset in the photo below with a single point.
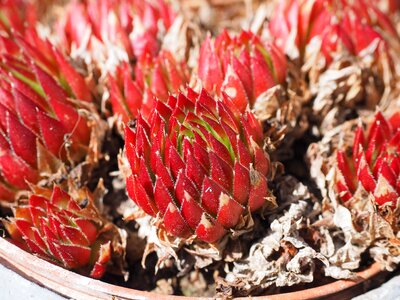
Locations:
(58, 228)
(198, 164)
(156, 76)
(41, 125)
(241, 66)
(345, 25)
(129, 27)
(372, 162)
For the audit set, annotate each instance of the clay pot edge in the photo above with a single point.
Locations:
(73, 285)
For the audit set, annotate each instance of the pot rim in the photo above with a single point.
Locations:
(76, 286)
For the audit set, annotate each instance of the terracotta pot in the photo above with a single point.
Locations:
(75, 286)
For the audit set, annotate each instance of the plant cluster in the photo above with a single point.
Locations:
(245, 152)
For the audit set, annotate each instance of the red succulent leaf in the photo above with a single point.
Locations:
(209, 230)
(174, 222)
(53, 133)
(16, 171)
(49, 85)
(22, 140)
(258, 190)
(191, 211)
(75, 80)
(210, 196)
(27, 111)
(347, 170)
(229, 211)
(162, 196)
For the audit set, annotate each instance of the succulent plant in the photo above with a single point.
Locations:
(348, 25)
(156, 76)
(347, 51)
(198, 164)
(372, 163)
(41, 122)
(58, 228)
(241, 66)
(127, 26)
